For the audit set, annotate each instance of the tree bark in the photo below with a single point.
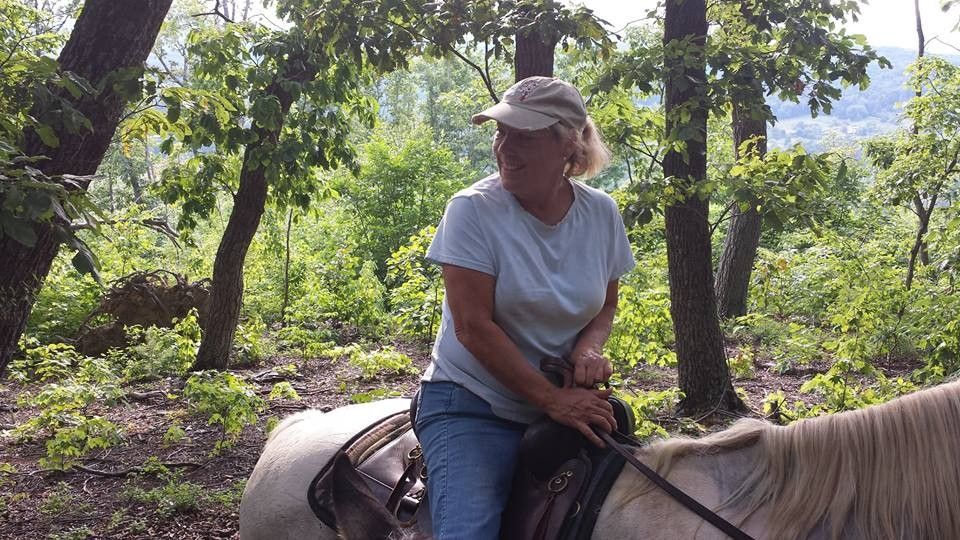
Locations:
(703, 374)
(106, 37)
(533, 54)
(743, 235)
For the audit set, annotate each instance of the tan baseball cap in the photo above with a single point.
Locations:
(536, 103)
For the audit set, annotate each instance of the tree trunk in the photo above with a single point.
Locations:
(919, 244)
(226, 291)
(923, 216)
(533, 54)
(106, 37)
(743, 234)
(704, 376)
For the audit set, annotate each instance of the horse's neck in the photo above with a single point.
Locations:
(636, 509)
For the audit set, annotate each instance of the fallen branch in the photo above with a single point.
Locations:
(132, 470)
(144, 396)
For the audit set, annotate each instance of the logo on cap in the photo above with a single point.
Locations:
(528, 86)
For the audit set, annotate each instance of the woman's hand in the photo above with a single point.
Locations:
(590, 367)
(581, 408)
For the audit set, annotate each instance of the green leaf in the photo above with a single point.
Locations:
(47, 135)
(86, 263)
(20, 230)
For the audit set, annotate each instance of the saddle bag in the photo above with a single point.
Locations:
(538, 509)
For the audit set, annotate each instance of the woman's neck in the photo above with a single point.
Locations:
(550, 207)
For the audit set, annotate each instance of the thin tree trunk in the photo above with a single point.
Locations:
(743, 234)
(703, 376)
(919, 250)
(919, 244)
(226, 291)
(107, 36)
(286, 269)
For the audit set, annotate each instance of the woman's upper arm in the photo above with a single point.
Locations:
(613, 289)
(469, 294)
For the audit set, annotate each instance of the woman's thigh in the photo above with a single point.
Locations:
(470, 455)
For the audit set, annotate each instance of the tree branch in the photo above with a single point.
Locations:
(216, 11)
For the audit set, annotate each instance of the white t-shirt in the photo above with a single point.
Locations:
(551, 280)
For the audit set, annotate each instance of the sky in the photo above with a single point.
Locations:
(885, 23)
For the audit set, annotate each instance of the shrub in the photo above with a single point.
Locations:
(385, 360)
(416, 287)
(226, 401)
(160, 352)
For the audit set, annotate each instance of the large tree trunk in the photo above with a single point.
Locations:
(704, 376)
(533, 54)
(226, 291)
(743, 234)
(107, 36)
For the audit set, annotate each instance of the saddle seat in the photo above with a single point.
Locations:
(559, 486)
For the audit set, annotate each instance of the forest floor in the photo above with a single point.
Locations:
(201, 497)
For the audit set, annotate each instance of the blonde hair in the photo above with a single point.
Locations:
(888, 471)
(590, 154)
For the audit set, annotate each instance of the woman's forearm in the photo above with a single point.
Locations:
(494, 349)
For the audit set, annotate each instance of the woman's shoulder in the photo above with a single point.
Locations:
(487, 190)
(595, 199)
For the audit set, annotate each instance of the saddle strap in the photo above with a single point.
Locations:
(728, 528)
(407, 480)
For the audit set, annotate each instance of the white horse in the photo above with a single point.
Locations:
(886, 472)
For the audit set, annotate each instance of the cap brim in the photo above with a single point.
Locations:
(514, 117)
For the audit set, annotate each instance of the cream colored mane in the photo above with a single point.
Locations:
(888, 471)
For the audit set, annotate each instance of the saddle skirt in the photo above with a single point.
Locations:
(561, 505)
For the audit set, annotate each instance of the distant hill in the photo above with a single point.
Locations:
(856, 115)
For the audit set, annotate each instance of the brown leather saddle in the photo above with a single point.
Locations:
(559, 487)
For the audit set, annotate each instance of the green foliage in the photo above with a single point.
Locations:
(62, 501)
(158, 352)
(329, 280)
(416, 287)
(310, 343)
(71, 442)
(29, 196)
(176, 496)
(373, 395)
(648, 406)
(741, 364)
(283, 390)
(642, 329)
(174, 434)
(250, 345)
(384, 361)
(64, 301)
(404, 182)
(789, 344)
(226, 401)
(42, 362)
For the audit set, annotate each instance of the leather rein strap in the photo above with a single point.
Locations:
(728, 528)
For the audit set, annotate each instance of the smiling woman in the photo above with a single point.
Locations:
(531, 261)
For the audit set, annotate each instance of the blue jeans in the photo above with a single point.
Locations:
(471, 455)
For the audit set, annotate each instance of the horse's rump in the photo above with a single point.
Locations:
(275, 503)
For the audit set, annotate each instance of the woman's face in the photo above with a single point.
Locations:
(529, 161)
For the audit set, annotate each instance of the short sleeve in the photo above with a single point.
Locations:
(621, 258)
(460, 240)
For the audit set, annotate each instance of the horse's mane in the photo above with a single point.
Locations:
(888, 471)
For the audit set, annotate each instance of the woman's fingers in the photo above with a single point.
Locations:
(587, 432)
(580, 374)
